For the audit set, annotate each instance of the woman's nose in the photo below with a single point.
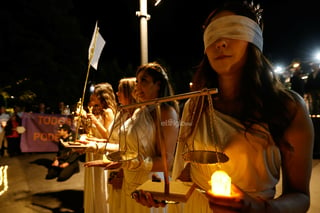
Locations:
(221, 43)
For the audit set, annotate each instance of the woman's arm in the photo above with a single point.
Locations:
(296, 163)
(103, 127)
(296, 173)
(170, 127)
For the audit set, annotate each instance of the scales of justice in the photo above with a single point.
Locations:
(169, 191)
(172, 191)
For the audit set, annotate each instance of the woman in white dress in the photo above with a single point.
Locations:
(104, 105)
(115, 177)
(140, 135)
(125, 97)
(261, 126)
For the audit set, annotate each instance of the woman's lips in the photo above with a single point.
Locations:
(222, 57)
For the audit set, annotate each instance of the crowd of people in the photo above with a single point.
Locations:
(262, 127)
(10, 133)
(11, 124)
(306, 82)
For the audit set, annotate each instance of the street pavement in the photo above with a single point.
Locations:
(29, 191)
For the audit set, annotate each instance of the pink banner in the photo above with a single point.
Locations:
(41, 132)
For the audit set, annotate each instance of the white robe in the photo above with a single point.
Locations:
(95, 183)
(253, 165)
(138, 134)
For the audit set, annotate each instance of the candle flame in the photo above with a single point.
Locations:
(221, 183)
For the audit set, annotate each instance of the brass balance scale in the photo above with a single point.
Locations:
(170, 191)
(173, 191)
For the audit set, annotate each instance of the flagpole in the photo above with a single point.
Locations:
(91, 54)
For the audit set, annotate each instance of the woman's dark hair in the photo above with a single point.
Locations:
(264, 97)
(105, 93)
(159, 73)
(244, 8)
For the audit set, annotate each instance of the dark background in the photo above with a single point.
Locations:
(44, 43)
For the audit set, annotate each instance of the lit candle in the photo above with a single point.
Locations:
(221, 183)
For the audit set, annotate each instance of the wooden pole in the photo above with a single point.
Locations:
(163, 149)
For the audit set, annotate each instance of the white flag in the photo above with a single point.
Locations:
(96, 46)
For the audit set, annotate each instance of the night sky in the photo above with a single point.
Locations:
(291, 28)
(44, 44)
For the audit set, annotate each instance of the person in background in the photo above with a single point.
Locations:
(12, 135)
(103, 103)
(296, 82)
(43, 108)
(262, 127)
(60, 108)
(19, 110)
(4, 117)
(125, 96)
(139, 134)
(66, 163)
(312, 89)
(125, 89)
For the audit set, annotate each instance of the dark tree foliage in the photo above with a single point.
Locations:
(43, 50)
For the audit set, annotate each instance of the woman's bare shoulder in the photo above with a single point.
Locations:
(168, 111)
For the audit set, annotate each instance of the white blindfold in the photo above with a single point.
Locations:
(233, 27)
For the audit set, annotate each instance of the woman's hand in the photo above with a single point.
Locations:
(239, 201)
(55, 163)
(81, 112)
(104, 164)
(92, 117)
(146, 199)
(96, 163)
(113, 165)
(64, 165)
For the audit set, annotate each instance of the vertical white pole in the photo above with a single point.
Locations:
(144, 17)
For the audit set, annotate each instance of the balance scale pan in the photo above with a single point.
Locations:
(122, 156)
(205, 157)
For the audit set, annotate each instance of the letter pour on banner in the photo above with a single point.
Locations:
(96, 46)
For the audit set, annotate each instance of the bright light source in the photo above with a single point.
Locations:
(317, 56)
(157, 2)
(91, 88)
(296, 64)
(221, 183)
(3, 179)
(278, 69)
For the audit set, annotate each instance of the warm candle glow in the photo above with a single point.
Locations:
(221, 183)
(83, 137)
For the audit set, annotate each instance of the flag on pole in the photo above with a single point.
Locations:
(96, 46)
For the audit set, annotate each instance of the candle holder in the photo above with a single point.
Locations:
(178, 191)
